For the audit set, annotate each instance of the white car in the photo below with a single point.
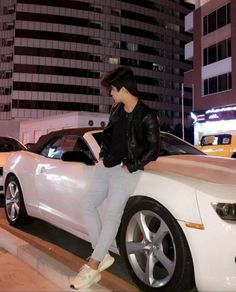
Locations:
(178, 227)
(7, 145)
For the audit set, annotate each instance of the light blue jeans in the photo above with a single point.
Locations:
(114, 184)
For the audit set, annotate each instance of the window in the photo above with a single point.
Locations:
(229, 47)
(7, 58)
(222, 53)
(216, 19)
(113, 60)
(5, 74)
(217, 83)
(158, 67)
(213, 85)
(115, 28)
(95, 42)
(132, 47)
(216, 140)
(56, 147)
(115, 12)
(217, 52)
(114, 44)
(205, 25)
(5, 90)
(10, 144)
(206, 91)
(228, 13)
(7, 42)
(95, 24)
(222, 82)
(94, 8)
(221, 16)
(212, 54)
(205, 56)
(212, 22)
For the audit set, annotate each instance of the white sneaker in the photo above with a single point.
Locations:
(106, 262)
(85, 278)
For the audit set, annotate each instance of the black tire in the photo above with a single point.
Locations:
(14, 203)
(166, 258)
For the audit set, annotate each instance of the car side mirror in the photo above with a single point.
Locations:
(77, 156)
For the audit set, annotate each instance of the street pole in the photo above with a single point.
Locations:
(182, 99)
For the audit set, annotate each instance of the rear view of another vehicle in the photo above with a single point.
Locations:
(7, 145)
(219, 145)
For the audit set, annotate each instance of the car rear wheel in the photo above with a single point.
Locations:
(14, 203)
(155, 249)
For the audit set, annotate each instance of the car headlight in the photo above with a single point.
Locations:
(226, 211)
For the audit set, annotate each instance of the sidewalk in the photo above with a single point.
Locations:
(18, 276)
(52, 268)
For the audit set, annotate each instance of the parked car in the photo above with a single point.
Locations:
(220, 144)
(178, 227)
(7, 145)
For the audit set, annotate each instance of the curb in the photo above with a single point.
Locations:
(52, 269)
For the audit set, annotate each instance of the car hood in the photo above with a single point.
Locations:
(206, 168)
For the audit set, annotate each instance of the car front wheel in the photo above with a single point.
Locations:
(14, 203)
(155, 249)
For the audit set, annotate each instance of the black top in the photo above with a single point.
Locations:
(119, 141)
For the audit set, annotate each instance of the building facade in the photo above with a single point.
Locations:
(54, 53)
(213, 77)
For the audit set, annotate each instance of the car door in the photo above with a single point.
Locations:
(61, 184)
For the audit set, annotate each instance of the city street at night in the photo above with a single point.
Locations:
(118, 145)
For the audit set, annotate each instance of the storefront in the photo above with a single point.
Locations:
(213, 121)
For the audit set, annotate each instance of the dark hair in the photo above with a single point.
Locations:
(120, 77)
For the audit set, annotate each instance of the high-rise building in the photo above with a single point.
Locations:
(54, 52)
(213, 52)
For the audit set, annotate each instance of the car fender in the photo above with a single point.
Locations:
(171, 190)
(24, 166)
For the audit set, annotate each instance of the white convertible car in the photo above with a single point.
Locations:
(178, 227)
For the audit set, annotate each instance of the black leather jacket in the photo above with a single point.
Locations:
(143, 136)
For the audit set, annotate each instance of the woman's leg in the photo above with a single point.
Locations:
(95, 195)
(121, 185)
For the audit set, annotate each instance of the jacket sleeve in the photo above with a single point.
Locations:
(106, 139)
(107, 132)
(151, 128)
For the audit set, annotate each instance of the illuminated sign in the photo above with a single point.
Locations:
(215, 114)
(213, 117)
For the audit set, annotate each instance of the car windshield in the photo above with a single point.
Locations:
(222, 139)
(10, 144)
(170, 145)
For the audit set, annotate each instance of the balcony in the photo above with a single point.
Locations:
(188, 22)
(188, 51)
